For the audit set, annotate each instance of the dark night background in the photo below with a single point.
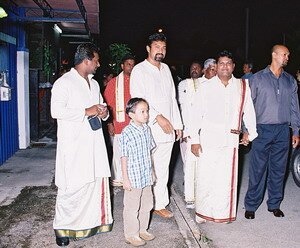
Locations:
(200, 29)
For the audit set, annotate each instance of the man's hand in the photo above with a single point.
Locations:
(184, 139)
(196, 149)
(93, 110)
(245, 139)
(111, 129)
(97, 110)
(103, 111)
(127, 184)
(295, 141)
(165, 124)
(178, 134)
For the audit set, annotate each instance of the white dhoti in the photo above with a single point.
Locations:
(161, 156)
(83, 212)
(216, 189)
(189, 168)
(116, 171)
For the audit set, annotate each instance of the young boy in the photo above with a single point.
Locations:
(136, 143)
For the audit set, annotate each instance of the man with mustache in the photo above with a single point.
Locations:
(186, 92)
(152, 80)
(274, 94)
(83, 206)
(215, 126)
(209, 69)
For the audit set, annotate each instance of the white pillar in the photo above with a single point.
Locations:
(23, 98)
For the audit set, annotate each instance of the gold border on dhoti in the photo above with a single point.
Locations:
(81, 234)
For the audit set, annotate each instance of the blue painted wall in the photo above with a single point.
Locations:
(9, 141)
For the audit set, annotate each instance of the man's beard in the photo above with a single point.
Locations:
(159, 57)
(284, 64)
(194, 74)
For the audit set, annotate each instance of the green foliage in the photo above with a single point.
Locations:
(116, 52)
(42, 57)
(48, 61)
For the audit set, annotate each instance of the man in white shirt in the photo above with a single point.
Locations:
(152, 80)
(82, 169)
(186, 91)
(221, 104)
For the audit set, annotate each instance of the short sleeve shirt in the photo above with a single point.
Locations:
(136, 143)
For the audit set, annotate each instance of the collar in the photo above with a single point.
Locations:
(153, 67)
(73, 70)
(268, 70)
(140, 128)
(229, 81)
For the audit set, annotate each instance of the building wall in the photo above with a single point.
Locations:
(9, 140)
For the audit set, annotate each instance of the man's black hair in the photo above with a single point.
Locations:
(225, 53)
(156, 37)
(249, 63)
(85, 51)
(196, 62)
(126, 57)
(132, 103)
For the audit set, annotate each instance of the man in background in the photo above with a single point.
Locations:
(209, 69)
(186, 91)
(247, 69)
(117, 94)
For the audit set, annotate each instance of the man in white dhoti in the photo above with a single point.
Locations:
(221, 104)
(186, 92)
(152, 80)
(83, 201)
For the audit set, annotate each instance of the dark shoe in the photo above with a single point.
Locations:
(277, 212)
(250, 215)
(62, 241)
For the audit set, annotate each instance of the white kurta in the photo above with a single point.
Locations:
(81, 152)
(82, 168)
(157, 87)
(216, 112)
(186, 93)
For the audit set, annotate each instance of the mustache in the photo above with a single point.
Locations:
(159, 57)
